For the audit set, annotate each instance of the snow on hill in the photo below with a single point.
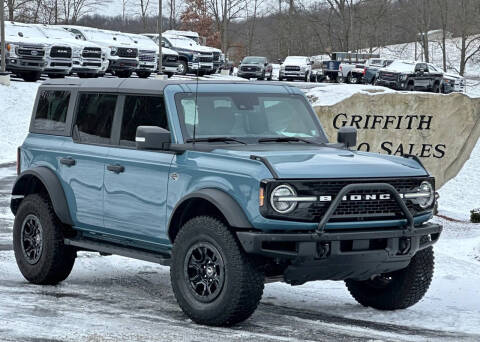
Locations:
(407, 51)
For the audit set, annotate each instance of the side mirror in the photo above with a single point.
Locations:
(347, 135)
(265, 64)
(152, 138)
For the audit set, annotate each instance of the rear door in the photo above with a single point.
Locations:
(422, 80)
(83, 167)
(136, 181)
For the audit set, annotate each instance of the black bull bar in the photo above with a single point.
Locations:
(354, 253)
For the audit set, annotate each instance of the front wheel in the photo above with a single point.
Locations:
(41, 254)
(123, 73)
(143, 74)
(214, 281)
(31, 76)
(397, 290)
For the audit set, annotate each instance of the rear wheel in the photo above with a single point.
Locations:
(397, 290)
(41, 254)
(436, 88)
(214, 281)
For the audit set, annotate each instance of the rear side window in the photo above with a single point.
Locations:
(141, 111)
(52, 111)
(93, 122)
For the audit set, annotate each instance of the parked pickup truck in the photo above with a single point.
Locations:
(193, 58)
(452, 82)
(255, 67)
(372, 67)
(121, 52)
(26, 53)
(230, 184)
(296, 68)
(410, 75)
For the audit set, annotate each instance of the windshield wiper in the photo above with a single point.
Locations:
(215, 139)
(286, 139)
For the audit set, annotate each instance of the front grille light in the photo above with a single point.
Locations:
(277, 199)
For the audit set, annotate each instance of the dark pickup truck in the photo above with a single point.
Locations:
(410, 75)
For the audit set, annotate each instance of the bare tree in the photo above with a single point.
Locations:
(251, 11)
(224, 11)
(468, 24)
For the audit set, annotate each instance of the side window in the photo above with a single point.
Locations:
(52, 111)
(141, 111)
(93, 123)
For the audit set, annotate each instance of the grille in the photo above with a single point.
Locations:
(61, 52)
(92, 52)
(31, 52)
(205, 59)
(292, 68)
(127, 52)
(92, 64)
(249, 68)
(388, 76)
(146, 58)
(350, 210)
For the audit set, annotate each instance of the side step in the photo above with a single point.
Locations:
(129, 252)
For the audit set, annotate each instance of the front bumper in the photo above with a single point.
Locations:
(399, 85)
(341, 255)
(16, 64)
(170, 69)
(86, 65)
(122, 64)
(59, 66)
(203, 66)
(248, 74)
(292, 74)
(147, 66)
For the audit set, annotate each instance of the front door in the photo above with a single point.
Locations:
(136, 181)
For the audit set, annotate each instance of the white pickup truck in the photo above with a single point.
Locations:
(296, 68)
(86, 56)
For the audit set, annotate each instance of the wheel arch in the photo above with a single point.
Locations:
(204, 202)
(37, 180)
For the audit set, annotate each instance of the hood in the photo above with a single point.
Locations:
(326, 162)
(453, 75)
(68, 42)
(33, 41)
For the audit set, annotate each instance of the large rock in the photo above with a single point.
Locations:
(441, 130)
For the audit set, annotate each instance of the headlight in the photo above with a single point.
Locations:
(278, 201)
(403, 77)
(113, 50)
(426, 189)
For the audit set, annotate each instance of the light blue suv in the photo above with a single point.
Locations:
(231, 184)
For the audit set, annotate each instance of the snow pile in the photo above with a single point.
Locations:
(16, 104)
(327, 94)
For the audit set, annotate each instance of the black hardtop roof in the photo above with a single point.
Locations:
(136, 85)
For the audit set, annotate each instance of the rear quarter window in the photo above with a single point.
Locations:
(51, 113)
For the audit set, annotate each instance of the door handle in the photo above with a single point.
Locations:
(116, 168)
(68, 161)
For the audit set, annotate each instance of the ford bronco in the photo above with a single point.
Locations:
(231, 184)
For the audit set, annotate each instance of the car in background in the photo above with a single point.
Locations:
(410, 75)
(86, 56)
(193, 58)
(371, 68)
(120, 51)
(296, 68)
(255, 67)
(452, 82)
(26, 51)
(147, 54)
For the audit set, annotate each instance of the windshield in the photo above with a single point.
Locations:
(22, 31)
(295, 60)
(182, 42)
(247, 116)
(401, 66)
(57, 33)
(254, 60)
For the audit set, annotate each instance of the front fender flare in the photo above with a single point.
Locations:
(53, 186)
(229, 207)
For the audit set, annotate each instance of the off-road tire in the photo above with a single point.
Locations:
(407, 287)
(185, 67)
(243, 281)
(56, 259)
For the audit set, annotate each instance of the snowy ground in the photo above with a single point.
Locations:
(118, 299)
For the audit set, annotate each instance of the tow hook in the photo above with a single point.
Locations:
(404, 245)
(323, 249)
